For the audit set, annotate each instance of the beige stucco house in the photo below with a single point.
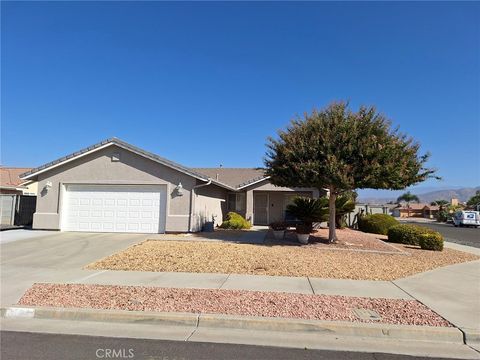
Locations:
(113, 186)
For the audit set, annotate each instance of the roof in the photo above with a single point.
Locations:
(109, 142)
(237, 178)
(230, 178)
(10, 176)
(412, 206)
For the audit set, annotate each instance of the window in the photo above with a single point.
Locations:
(236, 202)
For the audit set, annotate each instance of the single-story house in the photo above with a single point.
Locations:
(10, 182)
(113, 186)
(416, 210)
(430, 211)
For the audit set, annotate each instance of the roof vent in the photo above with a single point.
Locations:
(216, 177)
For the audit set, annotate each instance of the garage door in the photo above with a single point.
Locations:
(114, 208)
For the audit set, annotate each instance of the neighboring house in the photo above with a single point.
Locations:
(430, 211)
(416, 210)
(15, 208)
(113, 186)
(11, 183)
(412, 210)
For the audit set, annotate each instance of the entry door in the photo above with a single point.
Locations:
(260, 209)
(114, 208)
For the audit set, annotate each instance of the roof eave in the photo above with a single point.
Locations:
(102, 145)
(243, 186)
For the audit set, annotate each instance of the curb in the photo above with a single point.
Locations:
(472, 338)
(341, 328)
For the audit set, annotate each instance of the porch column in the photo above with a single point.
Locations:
(249, 206)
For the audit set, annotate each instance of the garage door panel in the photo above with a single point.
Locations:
(114, 208)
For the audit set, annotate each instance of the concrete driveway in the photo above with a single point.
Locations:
(54, 257)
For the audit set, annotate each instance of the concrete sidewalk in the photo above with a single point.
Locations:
(452, 291)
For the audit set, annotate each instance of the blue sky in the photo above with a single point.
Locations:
(206, 83)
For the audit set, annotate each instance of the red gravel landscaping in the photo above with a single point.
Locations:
(232, 302)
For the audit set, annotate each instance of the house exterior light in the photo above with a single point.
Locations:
(48, 186)
(179, 189)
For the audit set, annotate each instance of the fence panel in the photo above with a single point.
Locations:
(7, 208)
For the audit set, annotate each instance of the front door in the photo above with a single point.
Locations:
(260, 209)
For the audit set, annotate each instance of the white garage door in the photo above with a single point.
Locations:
(114, 208)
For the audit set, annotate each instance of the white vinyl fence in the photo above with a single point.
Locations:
(366, 209)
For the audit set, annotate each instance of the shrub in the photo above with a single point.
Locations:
(308, 210)
(376, 223)
(278, 226)
(431, 241)
(408, 234)
(235, 221)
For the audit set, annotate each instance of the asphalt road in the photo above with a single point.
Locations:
(33, 346)
(460, 235)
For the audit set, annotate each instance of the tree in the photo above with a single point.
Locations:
(439, 203)
(341, 150)
(408, 197)
(474, 200)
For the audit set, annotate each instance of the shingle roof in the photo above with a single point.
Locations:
(233, 177)
(10, 176)
(125, 145)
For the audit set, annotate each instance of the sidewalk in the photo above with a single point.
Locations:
(453, 291)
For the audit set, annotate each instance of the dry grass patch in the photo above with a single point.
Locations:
(281, 260)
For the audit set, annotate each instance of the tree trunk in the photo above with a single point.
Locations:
(332, 234)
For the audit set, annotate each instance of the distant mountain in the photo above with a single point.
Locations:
(462, 194)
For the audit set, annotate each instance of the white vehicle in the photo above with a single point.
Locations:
(466, 218)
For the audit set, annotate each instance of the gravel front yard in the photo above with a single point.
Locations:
(347, 239)
(281, 260)
(233, 302)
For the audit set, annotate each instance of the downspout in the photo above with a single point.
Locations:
(192, 195)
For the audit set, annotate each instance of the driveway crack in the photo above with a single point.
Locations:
(311, 286)
(224, 281)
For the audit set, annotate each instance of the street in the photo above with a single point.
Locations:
(33, 346)
(459, 235)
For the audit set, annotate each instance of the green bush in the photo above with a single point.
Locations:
(408, 234)
(431, 241)
(235, 221)
(376, 223)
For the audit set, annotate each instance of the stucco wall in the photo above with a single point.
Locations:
(269, 187)
(32, 189)
(210, 201)
(98, 168)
